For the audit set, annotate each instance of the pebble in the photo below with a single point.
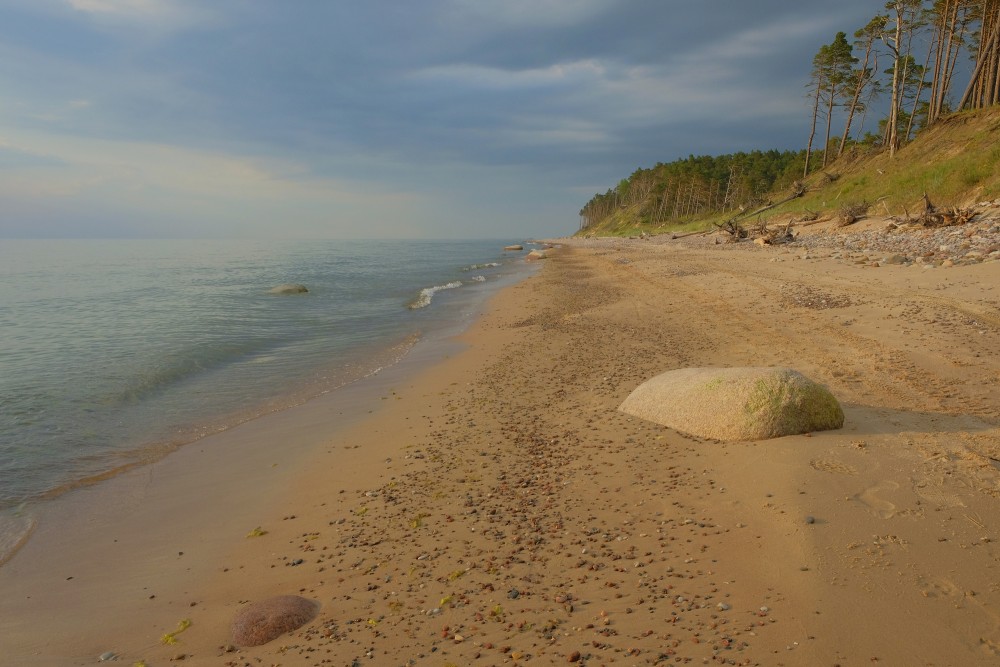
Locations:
(907, 245)
(810, 519)
(107, 656)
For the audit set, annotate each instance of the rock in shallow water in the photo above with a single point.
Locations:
(260, 622)
(289, 288)
(736, 403)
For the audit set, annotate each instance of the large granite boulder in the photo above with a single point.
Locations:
(260, 622)
(736, 403)
(289, 288)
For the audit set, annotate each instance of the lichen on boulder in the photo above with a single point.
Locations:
(260, 622)
(736, 403)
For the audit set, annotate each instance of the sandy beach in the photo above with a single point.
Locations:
(495, 508)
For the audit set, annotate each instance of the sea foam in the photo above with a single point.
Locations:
(427, 294)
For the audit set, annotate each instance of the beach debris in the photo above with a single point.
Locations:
(257, 532)
(774, 235)
(737, 232)
(265, 620)
(171, 637)
(733, 228)
(852, 212)
(736, 403)
(288, 288)
(933, 216)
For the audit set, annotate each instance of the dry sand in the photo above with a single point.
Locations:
(497, 509)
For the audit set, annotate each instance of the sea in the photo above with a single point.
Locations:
(115, 352)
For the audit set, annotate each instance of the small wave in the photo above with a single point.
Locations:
(426, 294)
(178, 366)
(479, 279)
(15, 530)
(476, 267)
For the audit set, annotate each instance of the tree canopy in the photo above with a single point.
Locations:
(921, 45)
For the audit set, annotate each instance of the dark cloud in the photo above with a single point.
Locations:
(561, 93)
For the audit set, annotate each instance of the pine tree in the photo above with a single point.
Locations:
(898, 38)
(863, 78)
(817, 83)
(840, 63)
(984, 86)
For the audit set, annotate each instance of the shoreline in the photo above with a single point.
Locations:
(18, 511)
(497, 509)
(87, 389)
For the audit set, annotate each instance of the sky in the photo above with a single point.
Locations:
(380, 118)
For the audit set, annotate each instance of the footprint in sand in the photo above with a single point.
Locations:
(933, 492)
(945, 588)
(872, 498)
(834, 466)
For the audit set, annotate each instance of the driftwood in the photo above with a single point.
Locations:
(682, 235)
(814, 222)
(776, 235)
(737, 232)
(851, 213)
(779, 234)
(933, 217)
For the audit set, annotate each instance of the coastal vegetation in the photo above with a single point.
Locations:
(931, 70)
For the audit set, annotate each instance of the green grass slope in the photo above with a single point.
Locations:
(956, 162)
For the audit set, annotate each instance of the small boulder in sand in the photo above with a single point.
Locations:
(260, 622)
(288, 288)
(536, 254)
(736, 403)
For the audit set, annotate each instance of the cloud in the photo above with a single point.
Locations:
(133, 7)
(240, 110)
(155, 16)
(150, 180)
(534, 13)
(760, 41)
(482, 76)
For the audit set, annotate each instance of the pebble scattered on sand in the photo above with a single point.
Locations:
(908, 245)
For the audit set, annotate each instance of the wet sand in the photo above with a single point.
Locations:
(497, 509)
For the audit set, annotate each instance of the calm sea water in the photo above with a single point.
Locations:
(112, 351)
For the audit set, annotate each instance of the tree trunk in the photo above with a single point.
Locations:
(987, 50)
(892, 129)
(916, 99)
(853, 106)
(829, 122)
(812, 132)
